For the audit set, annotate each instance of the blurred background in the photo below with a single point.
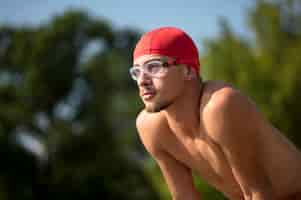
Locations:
(68, 105)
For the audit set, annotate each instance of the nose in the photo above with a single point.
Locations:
(143, 79)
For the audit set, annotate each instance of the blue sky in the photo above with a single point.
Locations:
(199, 18)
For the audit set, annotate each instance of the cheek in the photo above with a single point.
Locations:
(169, 88)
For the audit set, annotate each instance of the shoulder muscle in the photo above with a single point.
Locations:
(150, 126)
(230, 114)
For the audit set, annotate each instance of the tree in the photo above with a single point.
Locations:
(268, 70)
(61, 120)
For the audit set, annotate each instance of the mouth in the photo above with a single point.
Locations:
(147, 95)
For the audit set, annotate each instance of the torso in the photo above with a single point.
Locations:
(204, 157)
(281, 160)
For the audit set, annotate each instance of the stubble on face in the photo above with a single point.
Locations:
(157, 106)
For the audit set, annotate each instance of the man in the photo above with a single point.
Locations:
(209, 127)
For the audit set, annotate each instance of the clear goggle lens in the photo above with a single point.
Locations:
(154, 68)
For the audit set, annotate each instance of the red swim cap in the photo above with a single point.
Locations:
(171, 42)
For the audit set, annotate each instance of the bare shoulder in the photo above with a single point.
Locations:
(150, 128)
(219, 96)
(228, 112)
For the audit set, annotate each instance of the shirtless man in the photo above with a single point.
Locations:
(209, 127)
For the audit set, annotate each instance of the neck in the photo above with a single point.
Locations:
(184, 113)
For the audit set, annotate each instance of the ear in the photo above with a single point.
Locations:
(189, 73)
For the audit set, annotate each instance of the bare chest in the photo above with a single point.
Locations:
(205, 158)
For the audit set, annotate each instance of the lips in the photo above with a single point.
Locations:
(147, 95)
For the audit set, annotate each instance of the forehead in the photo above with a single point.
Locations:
(145, 58)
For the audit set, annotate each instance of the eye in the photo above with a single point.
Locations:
(154, 67)
(135, 72)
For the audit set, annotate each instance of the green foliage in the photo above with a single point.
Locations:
(266, 67)
(64, 117)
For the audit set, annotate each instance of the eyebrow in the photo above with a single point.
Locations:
(154, 59)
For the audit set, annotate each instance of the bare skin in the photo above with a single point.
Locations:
(217, 132)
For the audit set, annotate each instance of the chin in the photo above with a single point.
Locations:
(155, 108)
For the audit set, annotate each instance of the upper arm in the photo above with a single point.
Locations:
(177, 176)
(236, 125)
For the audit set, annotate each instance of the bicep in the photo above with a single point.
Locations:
(238, 133)
(248, 169)
(177, 176)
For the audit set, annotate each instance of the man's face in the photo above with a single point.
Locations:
(159, 92)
